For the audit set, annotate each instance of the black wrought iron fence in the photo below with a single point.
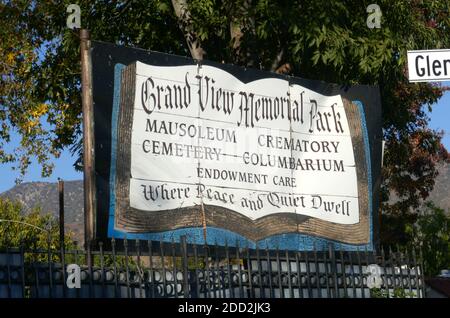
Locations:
(138, 269)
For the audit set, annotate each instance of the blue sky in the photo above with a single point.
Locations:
(440, 119)
(63, 169)
(440, 116)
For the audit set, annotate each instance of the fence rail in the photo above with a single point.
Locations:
(138, 269)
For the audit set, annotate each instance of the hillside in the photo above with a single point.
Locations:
(441, 192)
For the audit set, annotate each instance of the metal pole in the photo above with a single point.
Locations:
(61, 213)
(88, 138)
(183, 244)
(62, 247)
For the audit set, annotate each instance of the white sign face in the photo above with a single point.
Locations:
(200, 135)
(429, 66)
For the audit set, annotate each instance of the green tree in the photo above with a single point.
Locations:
(318, 39)
(31, 231)
(35, 230)
(432, 233)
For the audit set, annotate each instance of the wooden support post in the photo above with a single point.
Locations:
(88, 138)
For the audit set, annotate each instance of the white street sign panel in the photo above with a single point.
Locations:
(429, 65)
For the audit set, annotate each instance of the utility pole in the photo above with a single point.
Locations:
(88, 140)
(61, 213)
(62, 246)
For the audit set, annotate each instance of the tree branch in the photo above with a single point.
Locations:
(236, 34)
(276, 62)
(284, 69)
(122, 10)
(182, 12)
(241, 20)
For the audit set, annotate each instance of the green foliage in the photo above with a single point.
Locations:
(38, 234)
(429, 231)
(33, 231)
(432, 233)
(396, 293)
(378, 293)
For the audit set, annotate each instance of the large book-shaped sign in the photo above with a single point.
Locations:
(235, 154)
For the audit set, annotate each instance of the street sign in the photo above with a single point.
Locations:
(429, 65)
